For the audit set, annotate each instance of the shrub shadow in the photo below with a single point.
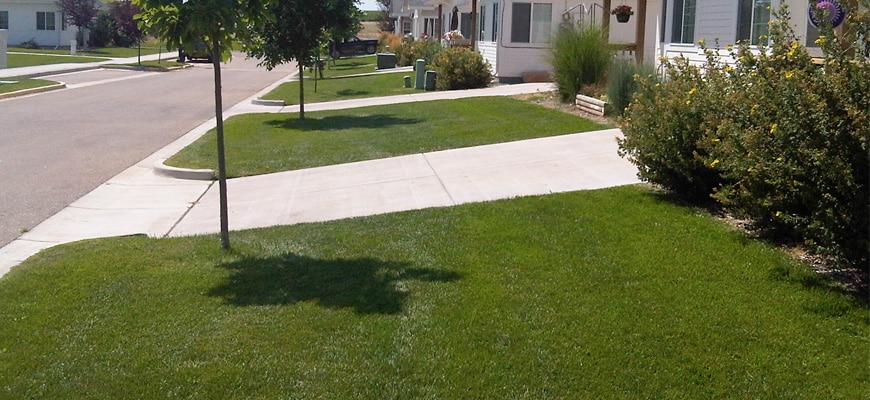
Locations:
(335, 122)
(367, 285)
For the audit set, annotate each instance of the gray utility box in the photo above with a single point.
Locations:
(386, 60)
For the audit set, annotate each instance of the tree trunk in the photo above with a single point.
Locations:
(222, 164)
(301, 90)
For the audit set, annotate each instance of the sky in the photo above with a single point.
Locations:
(368, 5)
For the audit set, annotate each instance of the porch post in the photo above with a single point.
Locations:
(640, 32)
(440, 21)
(475, 24)
(605, 20)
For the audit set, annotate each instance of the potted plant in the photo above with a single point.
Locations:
(622, 13)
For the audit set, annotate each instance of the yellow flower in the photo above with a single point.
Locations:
(728, 68)
(702, 41)
(779, 159)
(692, 91)
(713, 164)
(688, 102)
(821, 40)
(789, 74)
(773, 128)
(749, 169)
(778, 213)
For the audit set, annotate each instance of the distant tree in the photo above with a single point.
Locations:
(81, 13)
(217, 24)
(385, 23)
(296, 29)
(127, 31)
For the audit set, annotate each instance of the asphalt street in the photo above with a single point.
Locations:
(57, 146)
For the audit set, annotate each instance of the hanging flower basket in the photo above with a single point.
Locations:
(623, 13)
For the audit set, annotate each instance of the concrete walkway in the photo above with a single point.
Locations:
(140, 201)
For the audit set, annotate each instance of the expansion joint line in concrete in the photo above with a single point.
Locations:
(181, 218)
(440, 182)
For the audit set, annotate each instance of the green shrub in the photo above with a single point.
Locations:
(579, 56)
(798, 158)
(103, 31)
(410, 51)
(664, 126)
(29, 44)
(772, 136)
(622, 83)
(459, 68)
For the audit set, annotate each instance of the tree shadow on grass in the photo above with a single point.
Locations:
(367, 285)
(336, 122)
(351, 92)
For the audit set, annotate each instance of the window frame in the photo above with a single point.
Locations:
(531, 29)
(45, 21)
(750, 25)
(495, 22)
(683, 30)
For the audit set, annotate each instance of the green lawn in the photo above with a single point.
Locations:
(334, 89)
(264, 143)
(22, 84)
(29, 60)
(106, 52)
(611, 294)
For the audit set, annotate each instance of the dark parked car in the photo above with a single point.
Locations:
(199, 51)
(352, 46)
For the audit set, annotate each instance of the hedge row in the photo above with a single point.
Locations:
(769, 134)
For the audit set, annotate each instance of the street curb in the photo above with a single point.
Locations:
(183, 173)
(25, 92)
(144, 69)
(273, 103)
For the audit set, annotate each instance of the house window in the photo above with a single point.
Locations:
(4, 19)
(752, 19)
(684, 21)
(481, 34)
(495, 22)
(531, 22)
(45, 21)
(406, 26)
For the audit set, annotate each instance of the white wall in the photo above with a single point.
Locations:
(22, 23)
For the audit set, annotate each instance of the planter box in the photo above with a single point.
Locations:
(591, 105)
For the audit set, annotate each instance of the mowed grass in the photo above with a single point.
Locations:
(614, 294)
(265, 143)
(105, 52)
(334, 89)
(27, 60)
(22, 84)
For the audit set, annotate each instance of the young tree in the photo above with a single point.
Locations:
(385, 23)
(295, 32)
(127, 27)
(215, 23)
(81, 13)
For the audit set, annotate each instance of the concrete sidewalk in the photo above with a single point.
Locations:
(139, 201)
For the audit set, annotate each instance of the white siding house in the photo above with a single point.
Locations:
(513, 36)
(726, 22)
(39, 20)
